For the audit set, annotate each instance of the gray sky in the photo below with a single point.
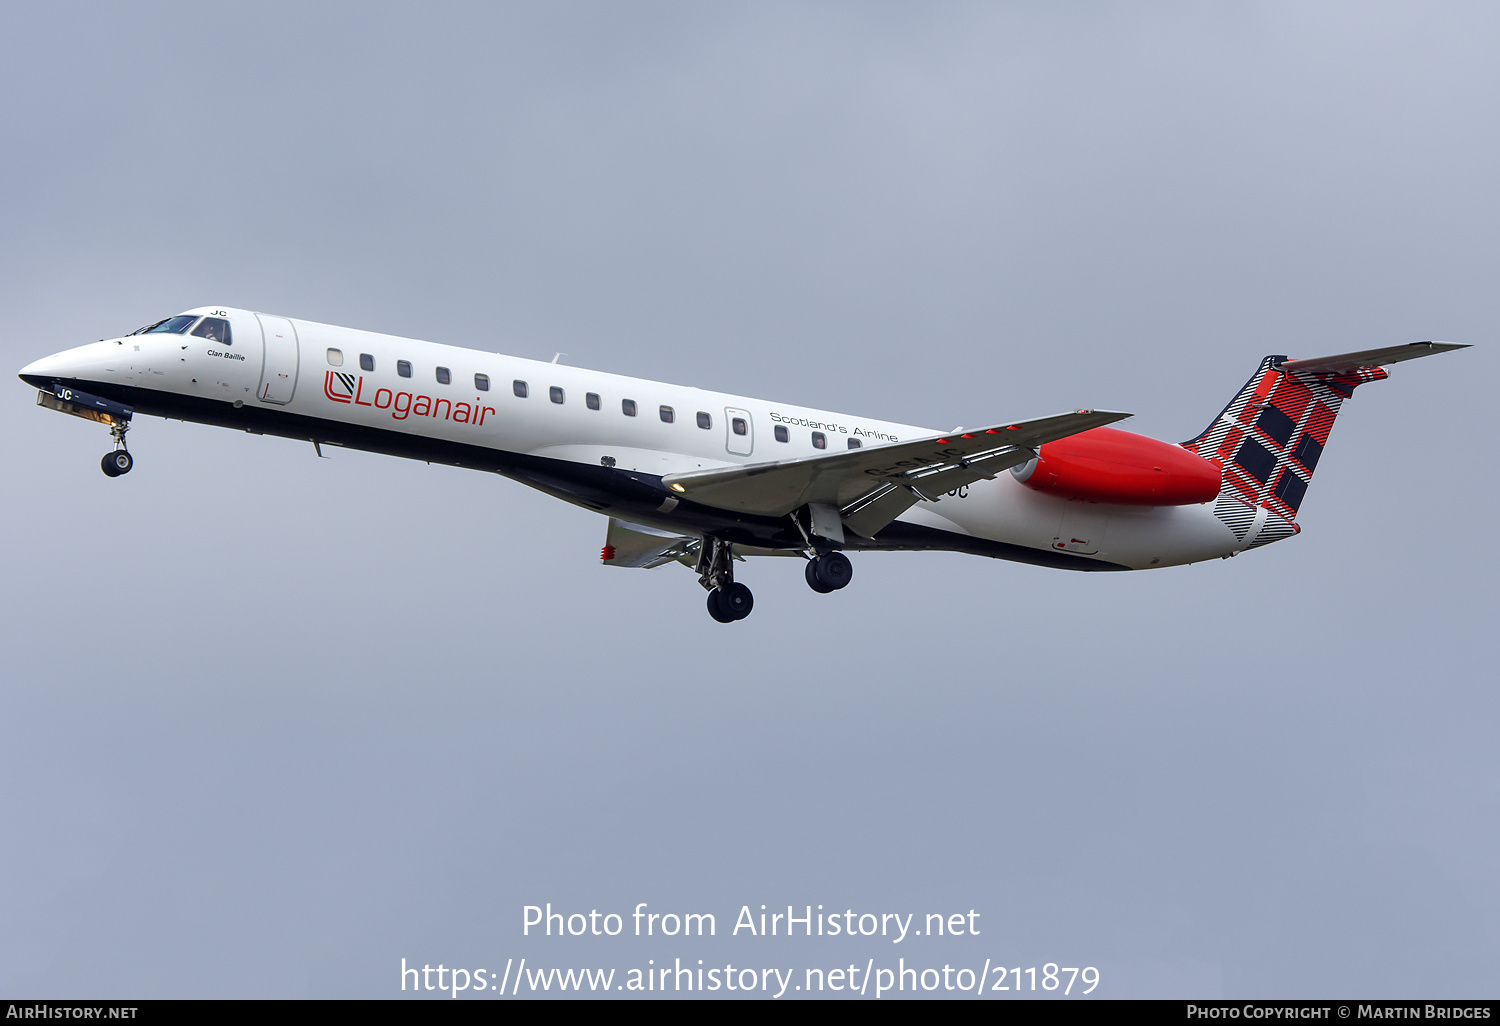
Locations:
(271, 724)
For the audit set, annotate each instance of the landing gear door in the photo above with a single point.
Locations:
(741, 431)
(278, 377)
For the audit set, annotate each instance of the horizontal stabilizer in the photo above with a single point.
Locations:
(633, 545)
(1366, 358)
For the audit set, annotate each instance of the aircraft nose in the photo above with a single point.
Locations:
(41, 372)
(67, 365)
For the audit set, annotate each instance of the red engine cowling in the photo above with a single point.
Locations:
(1107, 465)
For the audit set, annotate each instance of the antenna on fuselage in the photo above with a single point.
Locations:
(558, 356)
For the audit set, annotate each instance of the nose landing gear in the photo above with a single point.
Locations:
(728, 600)
(116, 463)
(67, 399)
(120, 461)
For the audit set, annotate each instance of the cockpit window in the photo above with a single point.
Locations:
(172, 325)
(215, 329)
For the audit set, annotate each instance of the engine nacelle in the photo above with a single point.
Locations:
(1108, 465)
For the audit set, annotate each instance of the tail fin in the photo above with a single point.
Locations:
(1271, 435)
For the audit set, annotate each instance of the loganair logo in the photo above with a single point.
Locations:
(339, 387)
(349, 389)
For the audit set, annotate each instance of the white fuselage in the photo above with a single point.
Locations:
(307, 374)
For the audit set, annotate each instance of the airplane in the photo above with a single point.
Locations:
(709, 479)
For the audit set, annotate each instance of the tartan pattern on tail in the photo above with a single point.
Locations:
(1268, 441)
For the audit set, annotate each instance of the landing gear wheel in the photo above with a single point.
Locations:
(832, 570)
(735, 600)
(811, 573)
(716, 610)
(116, 463)
(727, 601)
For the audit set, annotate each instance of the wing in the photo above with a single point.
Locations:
(870, 487)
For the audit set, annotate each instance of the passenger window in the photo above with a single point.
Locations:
(335, 357)
(782, 434)
(366, 362)
(820, 440)
(519, 387)
(215, 329)
(705, 421)
(555, 394)
(739, 427)
(667, 415)
(855, 443)
(482, 382)
(403, 368)
(443, 376)
(627, 407)
(591, 400)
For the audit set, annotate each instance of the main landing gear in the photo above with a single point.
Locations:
(728, 600)
(730, 603)
(120, 461)
(829, 571)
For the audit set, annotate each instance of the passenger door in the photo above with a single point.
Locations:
(278, 377)
(741, 431)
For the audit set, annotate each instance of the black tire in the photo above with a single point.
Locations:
(811, 573)
(833, 570)
(716, 610)
(116, 463)
(736, 601)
